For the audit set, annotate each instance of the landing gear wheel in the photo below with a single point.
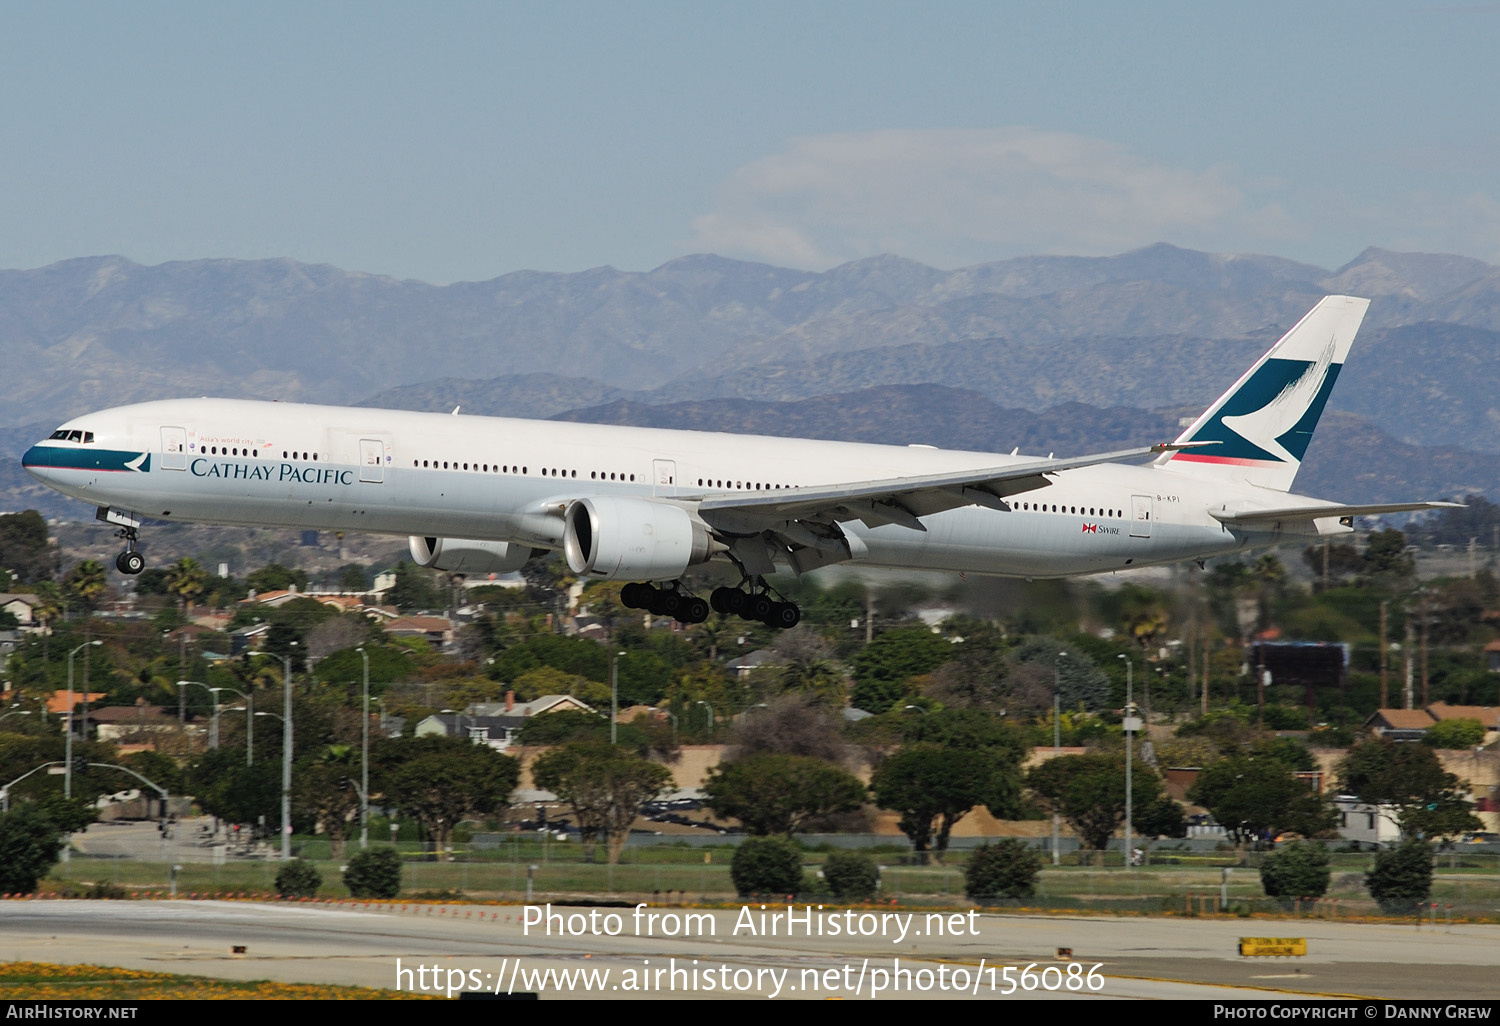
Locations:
(735, 601)
(722, 599)
(635, 596)
(784, 615)
(694, 610)
(757, 607)
(130, 563)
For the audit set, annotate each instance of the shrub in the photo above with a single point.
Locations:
(29, 846)
(1296, 870)
(374, 873)
(851, 875)
(1006, 869)
(1402, 876)
(298, 879)
(766, 865)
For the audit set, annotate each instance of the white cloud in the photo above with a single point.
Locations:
(958, 196)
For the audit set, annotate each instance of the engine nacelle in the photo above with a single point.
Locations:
(468, 555)
(613, 539)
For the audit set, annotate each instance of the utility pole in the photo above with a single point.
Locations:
(1384, 674)
(1057, 749)
(364, 771)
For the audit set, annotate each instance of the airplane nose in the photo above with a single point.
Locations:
(38, 463)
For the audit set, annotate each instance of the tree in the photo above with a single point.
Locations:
(49, 606)
(1296, 870)
(818, 677)
(354, 577)
(851, 875)
(442, 781)
(374, 873)
(1341, 559)
(29, 846)
(275, 577)
(225, 787)
(1454, 734)
(324, 790)
(1005, 869)
(1409, 779)
(884, 668)
(298, 879)
(1386, 557)
(414, 589)
(933, 787)
(766, 865)
(1089, 792)
(779, 794)
(790, 725)
(1253, 797)
(1160, 818)
(186, 579)
(87, 582)
(606, 786)
(24, 548)
(1402, 876)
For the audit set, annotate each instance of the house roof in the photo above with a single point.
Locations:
(131, 714)
(424, 624)
(1401, 719)
(1486, 715)
(58, 703)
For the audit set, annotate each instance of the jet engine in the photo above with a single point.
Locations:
(632, 539)
(467, 555)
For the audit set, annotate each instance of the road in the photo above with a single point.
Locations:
(473, 946)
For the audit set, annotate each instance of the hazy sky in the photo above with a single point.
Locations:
(459, 141)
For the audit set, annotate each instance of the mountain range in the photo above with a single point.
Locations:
(1049, 353)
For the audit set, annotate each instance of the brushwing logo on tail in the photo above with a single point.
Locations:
(1272, 416)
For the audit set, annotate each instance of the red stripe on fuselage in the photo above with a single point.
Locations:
(1234, 461)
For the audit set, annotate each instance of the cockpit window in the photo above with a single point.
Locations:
(63, 435)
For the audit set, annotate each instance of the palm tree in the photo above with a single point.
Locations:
(87, 582)
(48, 607)
(186, 579)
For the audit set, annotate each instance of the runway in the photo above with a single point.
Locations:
(452, 948)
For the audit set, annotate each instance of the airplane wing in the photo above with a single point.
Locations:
(804, 522)
(1296, 513)
(902, 500)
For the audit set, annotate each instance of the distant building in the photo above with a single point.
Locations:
(1366, 823)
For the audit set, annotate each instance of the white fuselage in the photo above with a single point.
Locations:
(253, 463)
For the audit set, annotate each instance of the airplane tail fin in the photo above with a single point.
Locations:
(1258, 430)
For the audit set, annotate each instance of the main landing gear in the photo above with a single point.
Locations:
(755, 604)
(668, 601)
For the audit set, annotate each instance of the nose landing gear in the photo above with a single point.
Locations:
(130, 561)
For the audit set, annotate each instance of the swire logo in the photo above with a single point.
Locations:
(1090, 528)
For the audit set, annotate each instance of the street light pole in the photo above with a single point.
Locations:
(614, 695)
(1131, 726)
(286, 758)
(364, 773)
(68, 755)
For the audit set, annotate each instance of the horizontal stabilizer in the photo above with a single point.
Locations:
(1290, 513)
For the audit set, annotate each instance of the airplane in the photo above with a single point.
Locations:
(479, 495)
